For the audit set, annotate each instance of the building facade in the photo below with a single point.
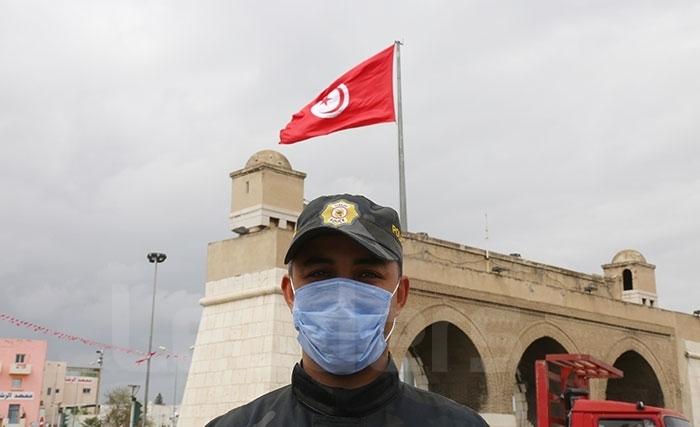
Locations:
(21, 377)
(52, 391)
(474, 325)
(67, 387)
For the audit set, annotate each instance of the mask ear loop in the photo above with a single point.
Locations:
(391, 331)
(396, 288)
(292, 284)
(393, 323)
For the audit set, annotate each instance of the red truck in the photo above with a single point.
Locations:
(562, 386)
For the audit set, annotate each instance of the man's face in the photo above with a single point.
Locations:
(335, 255)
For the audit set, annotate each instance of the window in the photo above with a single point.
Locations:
(627, 280)
(48, 391)
(13, 414)
(86, 390)
(19, 358)
(16, 383)
(675, 422)
(58, 390)
(247, 187)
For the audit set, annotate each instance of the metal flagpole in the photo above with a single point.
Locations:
(399, 122)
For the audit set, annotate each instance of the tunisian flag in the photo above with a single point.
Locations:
(362, 96)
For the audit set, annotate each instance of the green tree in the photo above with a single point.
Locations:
(119, 401)
(92, 422)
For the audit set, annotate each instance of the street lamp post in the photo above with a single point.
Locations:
(154, 258)
(100, 362)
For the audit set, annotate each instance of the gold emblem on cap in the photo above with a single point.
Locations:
(340, 212)
(396, 231)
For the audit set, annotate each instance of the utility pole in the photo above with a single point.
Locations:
(100, 361)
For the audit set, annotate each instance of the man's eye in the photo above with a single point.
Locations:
(317, 274)
(370, 275)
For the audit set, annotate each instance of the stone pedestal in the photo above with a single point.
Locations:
(246, 346)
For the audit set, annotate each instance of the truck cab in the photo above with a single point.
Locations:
(562, 385)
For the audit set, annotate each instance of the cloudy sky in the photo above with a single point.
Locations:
(574, 125)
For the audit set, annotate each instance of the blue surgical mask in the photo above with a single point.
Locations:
(341, 323)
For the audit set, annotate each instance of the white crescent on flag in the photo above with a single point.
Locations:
(332, 104)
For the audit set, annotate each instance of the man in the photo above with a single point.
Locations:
(345, 289)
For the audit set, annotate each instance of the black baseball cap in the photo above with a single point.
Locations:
(376, 228)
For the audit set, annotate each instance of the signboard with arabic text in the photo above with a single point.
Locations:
(16, 395)
(81, 380)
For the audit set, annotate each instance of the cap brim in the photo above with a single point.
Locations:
(371, 245)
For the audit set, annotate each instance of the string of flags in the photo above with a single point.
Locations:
(86, 341)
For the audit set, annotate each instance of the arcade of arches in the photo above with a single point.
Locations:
(473, 360)
(443, 359)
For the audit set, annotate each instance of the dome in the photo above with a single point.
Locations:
(269, 157)
(628, 255)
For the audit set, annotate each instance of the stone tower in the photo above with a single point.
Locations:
(634, 277)
(266, 192)
(246, 344)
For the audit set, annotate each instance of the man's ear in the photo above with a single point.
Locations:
(287, 291)
(402, 293)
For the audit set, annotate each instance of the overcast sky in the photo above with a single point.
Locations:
(574, 125)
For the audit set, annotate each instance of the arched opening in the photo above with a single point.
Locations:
(525, 396)
(444, 360)
(639, 383)
(627, 280)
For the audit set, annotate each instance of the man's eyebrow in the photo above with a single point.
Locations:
(316, 260)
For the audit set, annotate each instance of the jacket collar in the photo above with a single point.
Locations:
(346, 402)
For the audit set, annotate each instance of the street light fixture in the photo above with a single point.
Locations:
(154, 258)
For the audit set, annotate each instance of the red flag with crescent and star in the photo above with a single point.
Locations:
(363, 96)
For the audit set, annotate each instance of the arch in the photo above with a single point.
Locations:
(525, 396)
(452, 354)
(407, 332)
(449, 364)
(639, 383)
(534, 342)
(638, 358)
(533, 332)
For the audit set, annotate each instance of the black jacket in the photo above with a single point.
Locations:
(385, 402)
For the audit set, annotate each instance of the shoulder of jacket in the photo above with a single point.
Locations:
(250, 411)
(447, 406)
